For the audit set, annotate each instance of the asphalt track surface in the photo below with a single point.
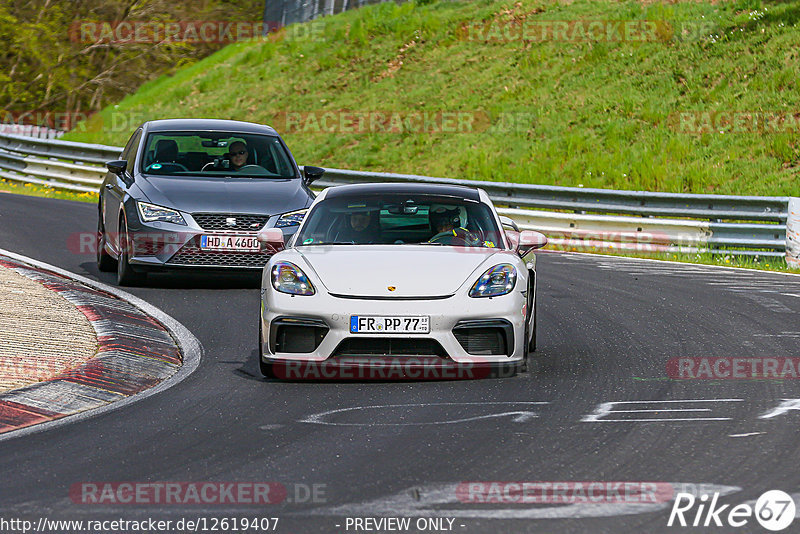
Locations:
(607, 328)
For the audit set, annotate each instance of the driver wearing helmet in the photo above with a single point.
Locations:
(444, 218)
(446, 225)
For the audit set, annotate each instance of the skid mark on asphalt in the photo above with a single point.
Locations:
(747, 435)
(732, 279)
(651, 407)
(499, 410)
(758, 286)
(442, 500)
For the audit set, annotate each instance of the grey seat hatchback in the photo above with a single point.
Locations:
(193, 194)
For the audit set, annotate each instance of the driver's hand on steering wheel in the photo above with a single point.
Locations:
(458, 236)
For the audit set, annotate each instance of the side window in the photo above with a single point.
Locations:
(129, 154)
(128, 146)
(279, 165)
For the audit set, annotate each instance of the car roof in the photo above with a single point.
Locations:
(214, 125)
(355, 190)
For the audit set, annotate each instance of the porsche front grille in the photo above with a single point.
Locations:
(389, 347)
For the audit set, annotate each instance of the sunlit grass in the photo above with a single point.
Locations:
(765, 263)
(597, 114)
(7, 186)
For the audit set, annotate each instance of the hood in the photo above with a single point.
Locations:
(226, 195)
(368, 270)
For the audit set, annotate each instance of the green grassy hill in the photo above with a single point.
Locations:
(597, 114)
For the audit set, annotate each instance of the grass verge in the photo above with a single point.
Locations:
(637, 113)
(34, 190)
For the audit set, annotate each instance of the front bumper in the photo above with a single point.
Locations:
(332, 314)
(161, 245)
(393, 368)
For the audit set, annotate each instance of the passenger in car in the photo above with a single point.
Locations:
(362, 227)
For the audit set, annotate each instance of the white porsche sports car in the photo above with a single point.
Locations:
(392, 280)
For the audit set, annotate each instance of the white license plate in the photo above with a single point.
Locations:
(234, 243)
(364, 324)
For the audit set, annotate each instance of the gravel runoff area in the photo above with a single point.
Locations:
(41, 333)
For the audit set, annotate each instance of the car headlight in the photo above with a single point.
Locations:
(496, 281)
(293, 218)
(152, 213)
(289, 278)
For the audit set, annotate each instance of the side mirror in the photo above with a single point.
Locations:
(509, 222)
(117, 167)
(312, 173)
(271, 236)
(530, 240)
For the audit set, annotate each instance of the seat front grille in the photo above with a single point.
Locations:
(221, 221)
(191, 255)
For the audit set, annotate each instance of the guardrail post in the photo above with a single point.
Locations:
(793, 234)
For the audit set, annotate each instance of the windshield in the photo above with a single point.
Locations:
(216, 154)
(396, 219)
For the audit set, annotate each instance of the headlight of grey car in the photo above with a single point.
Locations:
(496, 281)
(153, 213)
(293, 218)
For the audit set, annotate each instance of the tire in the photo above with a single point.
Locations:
(530, 331)
(126, 276)
(105, 262)
(532, 328)
(266, 368)
(532, 340)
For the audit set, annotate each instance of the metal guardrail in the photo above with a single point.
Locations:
(793, 234)
(30, 130)
(587, 218)
(283, 12)
(643, 203)
(55, 148)
(761, 230)
(59, 164)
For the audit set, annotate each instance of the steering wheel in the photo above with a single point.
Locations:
(168, 165)
(448, 238)
(459, 237)
(252, 168)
